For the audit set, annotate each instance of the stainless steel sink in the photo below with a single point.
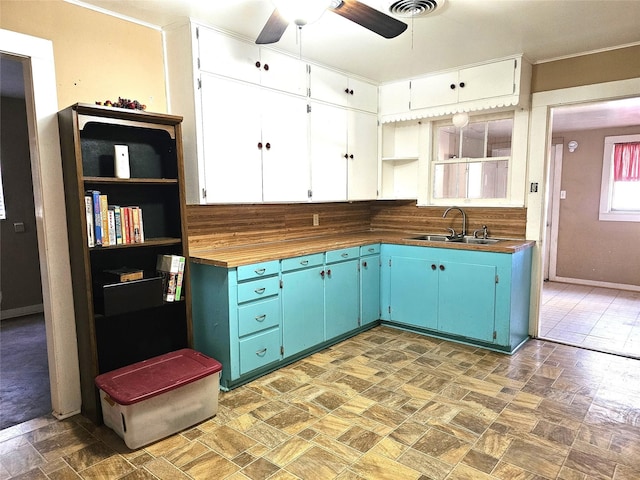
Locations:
(480, 241)
(436, 238)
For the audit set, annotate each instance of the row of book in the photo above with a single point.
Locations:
(171, 269)
(111, 224)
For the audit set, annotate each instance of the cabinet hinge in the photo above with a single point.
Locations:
(389, 309)
(199, 84)
(198, 63)
(309, 193)
(198, 32)
(359, 322)
(497, 278)
(389, 262)
(204, 193)
(308, 108)
(280, 283)
(495, 334)
(281, 350)
(308, 68)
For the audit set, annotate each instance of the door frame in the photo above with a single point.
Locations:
(36, 55)
(553, 211)
(538, 167)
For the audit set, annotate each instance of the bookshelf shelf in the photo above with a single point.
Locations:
(138, 324)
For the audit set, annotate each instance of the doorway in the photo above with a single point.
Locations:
(590, 294)
(24, 373)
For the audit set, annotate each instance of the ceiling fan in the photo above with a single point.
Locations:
(301, 12)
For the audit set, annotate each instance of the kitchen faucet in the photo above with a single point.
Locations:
(464, 219)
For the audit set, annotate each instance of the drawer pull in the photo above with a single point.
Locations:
(261, 353)
(304, 262)
(344, 255)
(261, 318)
(372, 249)
(260, 290)
(260, 271)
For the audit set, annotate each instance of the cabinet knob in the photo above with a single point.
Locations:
(346, 155)
(351, 156)
(442, 268)
(258, 64)
(433, 266)
(329, 272)
(259, 145)
(461, 84)
(267, 145)
(452, 86)
(364, 264)
(322, 273)
(266, 67)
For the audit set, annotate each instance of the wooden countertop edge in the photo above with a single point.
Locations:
(236, 256)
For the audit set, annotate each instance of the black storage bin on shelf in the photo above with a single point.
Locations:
(118, 298)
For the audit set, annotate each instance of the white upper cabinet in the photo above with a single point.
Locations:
(245, 61)
(502, 84)
(362, 164)
(333, 87)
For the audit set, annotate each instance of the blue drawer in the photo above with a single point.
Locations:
(257, 270)
(262, 288)
(259, 350)
(303, 261)
(369, 249)
(343, 254)
(256, 316)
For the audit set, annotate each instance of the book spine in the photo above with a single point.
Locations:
(125, 226)
(136, 224)
(88, 208)
(132, 235)
(118, 224)
(104, 216)
(141, 225)
(97, 217)
(180, 278)
(112, 225)
(168, 266)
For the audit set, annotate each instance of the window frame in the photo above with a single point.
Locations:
(606, 214)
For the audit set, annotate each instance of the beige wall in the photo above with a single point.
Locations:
(97, 56)
(589, 249)
(612, 65)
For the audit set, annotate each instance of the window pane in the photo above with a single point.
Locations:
(473, 140)
(626, 196)
(499, 138)
(448, 142)
(450, 180)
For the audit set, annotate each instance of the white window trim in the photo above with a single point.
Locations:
(606, 214)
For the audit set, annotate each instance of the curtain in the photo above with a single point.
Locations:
(626, 162)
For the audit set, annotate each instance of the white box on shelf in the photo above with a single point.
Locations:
(121, 161)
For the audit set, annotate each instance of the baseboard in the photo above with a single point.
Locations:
(21, 311)
(595, 283)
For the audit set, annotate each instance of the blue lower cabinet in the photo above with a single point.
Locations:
(341, 298)
(413, 294)
(302, 309)
(259, 350)
(370, 286)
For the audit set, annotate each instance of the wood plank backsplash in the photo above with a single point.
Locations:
(216, 226)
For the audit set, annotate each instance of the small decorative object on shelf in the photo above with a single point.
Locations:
(124, 103)
(171, 268)
(121, 161)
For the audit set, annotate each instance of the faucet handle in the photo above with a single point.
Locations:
(453, 233)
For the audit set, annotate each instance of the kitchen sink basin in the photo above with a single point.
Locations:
(480, 241)
(436, 238)
(445, 238)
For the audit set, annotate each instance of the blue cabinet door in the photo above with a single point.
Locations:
(467, 300)
(302, 309)
(341, 298)
(413, 295)
(369, 289)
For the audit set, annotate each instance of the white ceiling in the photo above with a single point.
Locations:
(461, 32)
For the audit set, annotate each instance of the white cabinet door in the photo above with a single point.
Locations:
(362, 95)
(285, 153)
(394, 98)
(487, 81)
(230, 135)
(328, 144)
(362, 146)
(434, 90)
(283, 72)
(328, 86)
(228, 56)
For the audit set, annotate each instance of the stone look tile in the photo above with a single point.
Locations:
(384, 404)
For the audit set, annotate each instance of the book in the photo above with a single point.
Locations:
(126, 215)
(88, 208)
(123, 274)
(180, 278)
(131, 234)
(118, 224)
(97, 217)
(168, 267)
(112, 225)
(141, 225)
(136, 224)
(104, 219)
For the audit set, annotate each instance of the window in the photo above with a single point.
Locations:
(620, 192)
(472, 162)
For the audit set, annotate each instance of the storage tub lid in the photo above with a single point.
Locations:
(146, 379)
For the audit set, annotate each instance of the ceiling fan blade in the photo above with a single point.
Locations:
(273, 29)
(370, 18)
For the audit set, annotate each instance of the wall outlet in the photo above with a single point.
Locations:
(316, 219)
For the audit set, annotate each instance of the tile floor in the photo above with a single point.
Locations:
(386, 404)
(598, 318)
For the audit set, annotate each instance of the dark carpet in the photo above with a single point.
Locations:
(24, 370)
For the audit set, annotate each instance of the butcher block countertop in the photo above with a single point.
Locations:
(235, 256)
